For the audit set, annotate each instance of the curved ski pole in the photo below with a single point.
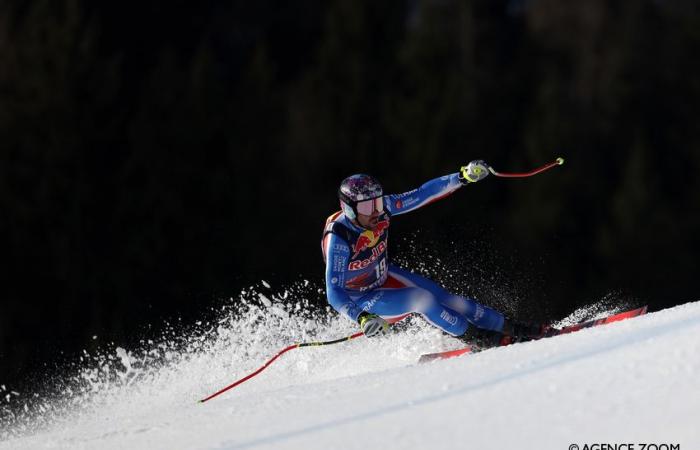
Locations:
(558, 162)
(280, 353)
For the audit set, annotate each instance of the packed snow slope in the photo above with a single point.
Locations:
(628, 382)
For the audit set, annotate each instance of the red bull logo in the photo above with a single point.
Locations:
(369, 238)
(362, 263)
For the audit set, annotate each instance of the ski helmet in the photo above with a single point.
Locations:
(360, 190)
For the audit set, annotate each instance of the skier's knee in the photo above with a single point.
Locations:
(421, 300)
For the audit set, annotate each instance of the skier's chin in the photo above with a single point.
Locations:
(369, 223)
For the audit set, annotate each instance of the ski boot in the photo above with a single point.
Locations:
(481, 338)
(520, 332)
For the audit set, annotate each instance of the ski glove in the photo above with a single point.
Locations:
(372, 324)
(474, 171)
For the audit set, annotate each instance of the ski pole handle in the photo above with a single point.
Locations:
(558, 162)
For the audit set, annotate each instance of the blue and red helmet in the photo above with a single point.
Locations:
(360, 193)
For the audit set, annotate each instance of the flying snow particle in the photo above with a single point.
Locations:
(266, 301)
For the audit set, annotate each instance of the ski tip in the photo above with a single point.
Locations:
(560, 160)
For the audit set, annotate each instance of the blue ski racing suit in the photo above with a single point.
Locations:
(360, 278)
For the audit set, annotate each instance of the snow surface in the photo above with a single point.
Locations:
(628, 382)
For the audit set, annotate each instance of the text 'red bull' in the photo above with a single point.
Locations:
(376, 253)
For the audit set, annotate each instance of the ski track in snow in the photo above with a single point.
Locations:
(628, 382)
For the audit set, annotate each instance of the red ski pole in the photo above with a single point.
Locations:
(558, 162)
(271, 360)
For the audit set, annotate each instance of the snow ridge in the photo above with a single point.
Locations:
(631, 381)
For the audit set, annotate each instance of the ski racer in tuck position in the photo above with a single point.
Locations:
(362, 285)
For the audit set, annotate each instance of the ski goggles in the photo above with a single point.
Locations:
(367, 207)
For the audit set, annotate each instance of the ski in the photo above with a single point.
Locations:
(549, 333)
(594, 323)
(444, 355)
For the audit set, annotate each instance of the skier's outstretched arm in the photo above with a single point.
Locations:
(337, 256)
(435, 189)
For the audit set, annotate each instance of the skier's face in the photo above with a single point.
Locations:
(369, 222)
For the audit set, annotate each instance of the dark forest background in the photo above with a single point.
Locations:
(155, 157)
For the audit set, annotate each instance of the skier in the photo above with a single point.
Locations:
(362, 285)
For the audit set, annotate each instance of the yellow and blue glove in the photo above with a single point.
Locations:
(475, 171)
(372, 324)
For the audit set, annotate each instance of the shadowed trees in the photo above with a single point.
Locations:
(154, 157)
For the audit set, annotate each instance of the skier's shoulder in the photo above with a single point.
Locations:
(334, 217)
(338, 225)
